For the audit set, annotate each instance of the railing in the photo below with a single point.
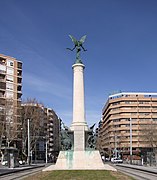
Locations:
(2, 72)
(2, 80)
(2, 96)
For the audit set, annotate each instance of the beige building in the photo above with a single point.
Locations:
(44, 131)
(10, 97)
(129, 124)
(53, 134)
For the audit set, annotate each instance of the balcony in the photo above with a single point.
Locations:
(2, 72)
(2, 80)
(19, 88)
(19, 73)
(2, 102)
(19, 65)
(2, 96)
(19, 94)
(19, 80)
(3, 86)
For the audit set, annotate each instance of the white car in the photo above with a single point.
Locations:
(116, 160)
(4, 163)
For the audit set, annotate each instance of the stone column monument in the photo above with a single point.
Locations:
(79, 125)
(79, 156)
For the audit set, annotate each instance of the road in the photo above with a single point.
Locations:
(138, 174)
(20, 173)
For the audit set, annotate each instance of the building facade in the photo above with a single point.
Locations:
(53, 135)
(43, 131)
(129, 124)
(10, 99)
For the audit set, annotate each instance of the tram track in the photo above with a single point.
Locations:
(21, 174)
(138, 174)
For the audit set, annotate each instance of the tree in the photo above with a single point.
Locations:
(149, 137)
(2, 126)
(10, 128)
(33, 111)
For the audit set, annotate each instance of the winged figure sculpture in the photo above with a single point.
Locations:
(78, 45)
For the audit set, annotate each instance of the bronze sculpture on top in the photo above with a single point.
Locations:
(78, 46)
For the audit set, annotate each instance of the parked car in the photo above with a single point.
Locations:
(4, 163)
(22, 162)
(116, 160)
(107, 159)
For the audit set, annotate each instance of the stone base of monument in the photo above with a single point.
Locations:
(79, 160)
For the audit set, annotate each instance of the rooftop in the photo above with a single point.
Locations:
(151, 94)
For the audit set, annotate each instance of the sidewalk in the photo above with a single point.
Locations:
(5, 170)
(152, 169)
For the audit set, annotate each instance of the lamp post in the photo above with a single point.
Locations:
(28, 136)
(130, 140)
(45, 147)
(46, 150)
(115, 145)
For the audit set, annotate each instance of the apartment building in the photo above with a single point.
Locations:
(43, 131)
(10, 99)
(53, 135)
(129, 124)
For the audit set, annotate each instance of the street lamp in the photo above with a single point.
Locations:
(115, 145)
(46, 150)
(28, 134)
(130, 140)
(46, 147)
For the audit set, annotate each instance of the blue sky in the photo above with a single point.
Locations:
(121, 43)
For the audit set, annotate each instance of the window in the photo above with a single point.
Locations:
(127, 107)
(18, 88)
(9, 86)
(143, 119)
(2, 68)
(143, 102)
(127, 125)
(128, 131)
(117, 126)
(19, 80)
(9, 94)
(144, 114)
(10, 62)
(19, 73)
(10, 78)
(114, 109)
(19, 65)
(10, 71)
(116, 120)
(127, 102)
(115, 103)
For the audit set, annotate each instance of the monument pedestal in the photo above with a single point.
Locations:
(79, 158)
(71, 160)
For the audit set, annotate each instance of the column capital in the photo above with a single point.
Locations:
(78, 65)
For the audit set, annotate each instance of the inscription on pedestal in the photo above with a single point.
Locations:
(79, 138)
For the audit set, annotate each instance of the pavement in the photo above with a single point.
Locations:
(152, 169)
(5, 170)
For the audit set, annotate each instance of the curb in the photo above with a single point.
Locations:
(144, 169)
(18, 170)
